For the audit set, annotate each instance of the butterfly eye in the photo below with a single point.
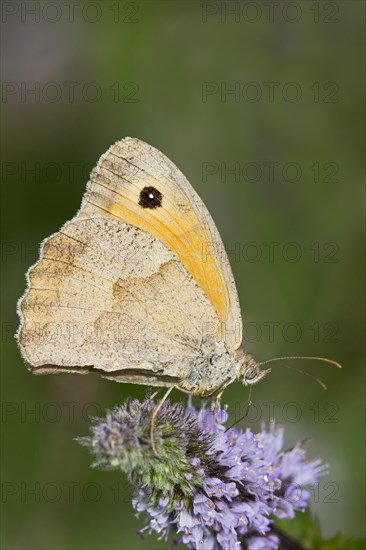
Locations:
(150, 197)
(250, 374)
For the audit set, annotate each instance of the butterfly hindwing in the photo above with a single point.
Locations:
(110, 297)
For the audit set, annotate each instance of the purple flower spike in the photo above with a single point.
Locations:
(216, 489)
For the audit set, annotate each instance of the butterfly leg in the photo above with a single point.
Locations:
(246, 410)
(217, 401)
(153, 417)
(153, 395)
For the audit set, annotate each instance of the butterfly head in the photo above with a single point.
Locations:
(250, 372)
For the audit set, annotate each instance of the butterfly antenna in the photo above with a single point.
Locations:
(338, 365)
(305, 373)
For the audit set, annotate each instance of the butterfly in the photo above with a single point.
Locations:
(137, 287)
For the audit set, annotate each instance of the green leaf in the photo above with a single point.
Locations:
(338, 542)
(304, 532)
(302, 528)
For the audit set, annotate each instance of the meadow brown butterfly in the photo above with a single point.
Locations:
(137, 287)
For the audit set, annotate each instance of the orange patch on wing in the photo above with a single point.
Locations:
(175, 224)
(192, 247)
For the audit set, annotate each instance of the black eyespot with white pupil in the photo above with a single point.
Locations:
(150, 197)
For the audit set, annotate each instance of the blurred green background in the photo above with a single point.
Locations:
(162, 71)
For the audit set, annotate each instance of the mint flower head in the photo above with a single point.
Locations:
(214, 488)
